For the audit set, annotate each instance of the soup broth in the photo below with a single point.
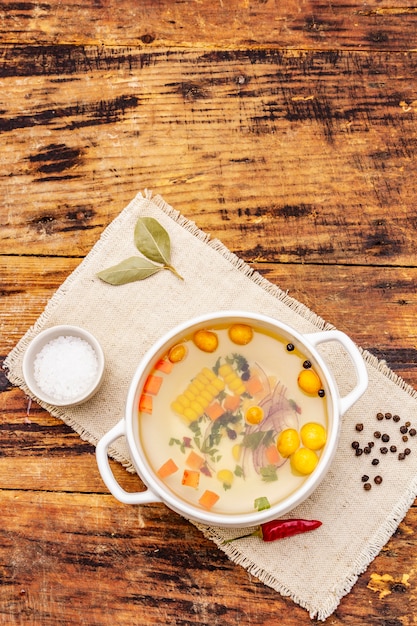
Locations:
(233, 418)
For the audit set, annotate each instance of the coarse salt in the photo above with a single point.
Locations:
(65, 367)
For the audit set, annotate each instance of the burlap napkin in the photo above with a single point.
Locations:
(314, 569)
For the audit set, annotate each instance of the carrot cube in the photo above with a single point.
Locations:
(272, 455)
(168, 468)
(194, 460)
(231, 402)
(208, 499)
(214, 411)
(191, 478)
(145, 404)
(163, 365)
(152, 384)
(254, 385)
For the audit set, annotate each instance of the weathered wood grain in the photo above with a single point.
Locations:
(311, 24)
(287, 130)
(68, 548)
(123, 556)
(383, 322)
(299, 153)
(146, 565)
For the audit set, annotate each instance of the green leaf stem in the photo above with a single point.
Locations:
(152, 240)
(130, 270)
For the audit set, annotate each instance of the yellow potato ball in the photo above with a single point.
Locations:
(177, 353)
(309, 381)
(240, 334)
(313, 435)
(206, 340)
(304, 461)
(288, 441)
(254, 415)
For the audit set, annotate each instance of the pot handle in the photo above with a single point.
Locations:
(140, 497)
(361, 372)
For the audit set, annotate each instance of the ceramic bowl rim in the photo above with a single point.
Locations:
(224, 519)
(41, 340)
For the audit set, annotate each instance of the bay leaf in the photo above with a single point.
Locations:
(131, 269)
(152, 240)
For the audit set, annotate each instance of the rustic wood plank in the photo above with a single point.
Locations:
(26, 285)
(314, 24)
(40, 452)
(383, 323)
(146, 565)
(338, 130)
(122, 554)
(285, 129)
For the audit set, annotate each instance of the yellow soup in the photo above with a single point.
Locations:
(234, 418)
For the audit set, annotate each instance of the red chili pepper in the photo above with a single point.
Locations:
(279, 529)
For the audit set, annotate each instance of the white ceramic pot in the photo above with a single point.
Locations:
(157, 491)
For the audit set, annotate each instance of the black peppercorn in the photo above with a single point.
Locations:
(377, 434)
(383, 450)
(290, 347)
(307, 364)
(321, 393)
(365, 478)
(388, 416)
(407, 451)
(396, 418)
(367, 450)
(385, 438)
(403, 430)
(393, 448)
(359, 427)
(355, 445)
(412, 432)
(379, 416)
(401, 456)
(371, 444)
(375, 461)
(358, 451)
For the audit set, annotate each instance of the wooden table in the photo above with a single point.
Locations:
(286, 129)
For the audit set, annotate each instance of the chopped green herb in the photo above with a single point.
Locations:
(269, 438)
(182, 444)
(254, 440)
(294, 406)
(269, 473)
(195, 428)
(261, 504)
(216, 366)
(238, 361)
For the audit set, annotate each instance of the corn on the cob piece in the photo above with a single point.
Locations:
(232, 379)
(198, 395)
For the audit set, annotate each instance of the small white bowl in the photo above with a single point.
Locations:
(39, 342)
